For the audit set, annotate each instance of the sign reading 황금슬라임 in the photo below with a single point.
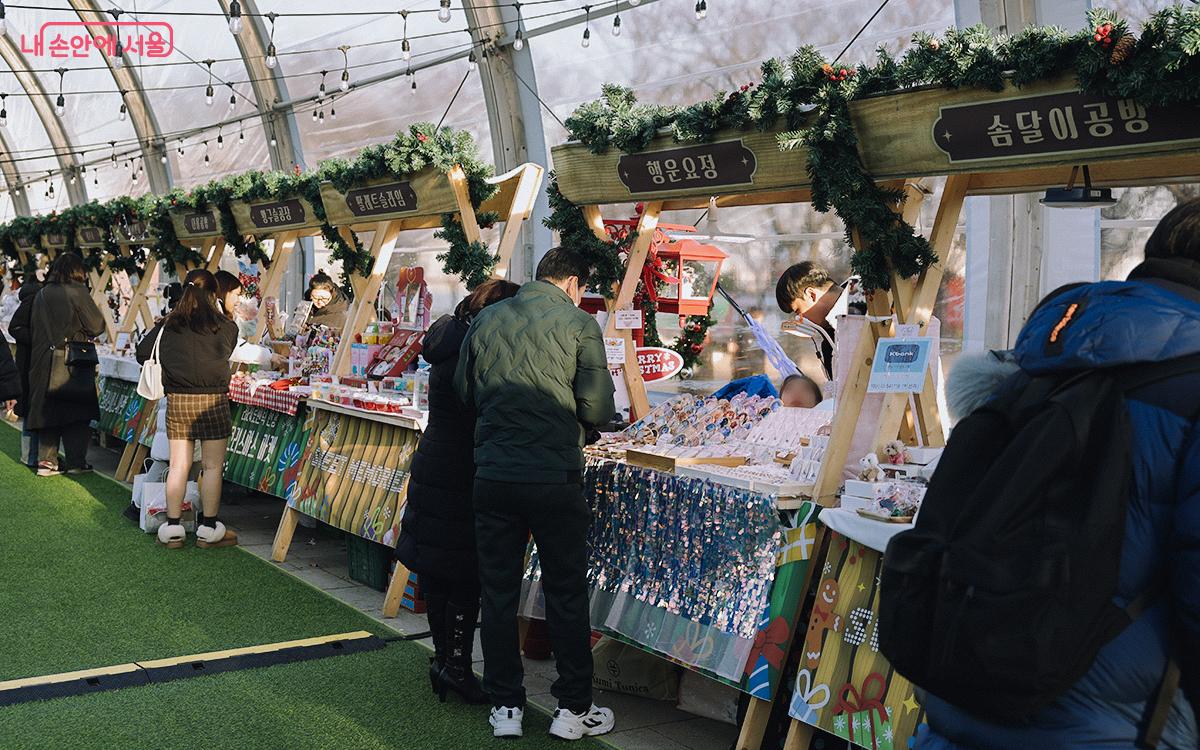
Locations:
(899, 365)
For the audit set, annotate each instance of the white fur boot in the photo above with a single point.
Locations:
(172, 535)
(215, 536)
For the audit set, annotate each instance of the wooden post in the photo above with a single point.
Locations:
(285, 243)
(283, 535)
(214, 252)
(518, 212)
(137, 304)
(382, 246)
(395, 590)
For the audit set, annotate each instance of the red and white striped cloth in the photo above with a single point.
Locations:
(243, 391)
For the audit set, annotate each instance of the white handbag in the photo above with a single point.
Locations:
(150, 382)
(154, 506)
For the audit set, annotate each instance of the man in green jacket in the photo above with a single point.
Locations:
(534, 369)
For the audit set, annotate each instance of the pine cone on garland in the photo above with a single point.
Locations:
(1122, 49)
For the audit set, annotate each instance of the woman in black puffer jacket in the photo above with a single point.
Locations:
(437, 535)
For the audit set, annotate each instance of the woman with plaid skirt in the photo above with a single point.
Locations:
(194, 344)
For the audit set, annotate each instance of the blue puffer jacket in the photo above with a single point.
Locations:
(1154, 317)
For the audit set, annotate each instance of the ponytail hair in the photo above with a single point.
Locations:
(197, 308)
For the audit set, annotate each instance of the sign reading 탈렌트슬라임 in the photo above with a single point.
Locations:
(393, 197)
(1057, 123)
(708, 165)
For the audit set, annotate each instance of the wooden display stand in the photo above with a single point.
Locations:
(903, 138)
(388, 207)
(90, 241)
(128, 237)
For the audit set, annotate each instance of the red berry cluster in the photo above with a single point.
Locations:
(837, 74)
(1104, 34)
(696, 348)
(422, 137)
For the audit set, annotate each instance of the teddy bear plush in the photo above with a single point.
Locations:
(896, 453)
(869, 469)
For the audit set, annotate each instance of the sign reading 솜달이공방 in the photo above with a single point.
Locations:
(277, 214)
(899, 365)
(1057, 123)
(707, 165)
(201, 223)
(390, 198)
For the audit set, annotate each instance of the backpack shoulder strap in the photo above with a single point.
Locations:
(1132, 377)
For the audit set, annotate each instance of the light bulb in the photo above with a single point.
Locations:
(345, 83)
(616, 26)
(206, 158)
(220, 141)
(701, 10)
(314, 117)
(3, 118)
(163, 159)
(471, 62)
(405, 50)
(321, 117)
(235, 17)
(332, 113)
(271, 56)
(118, 59)
(241, 137)
(72, 179)
(232, 103)
(60, 106)
(274, 142)
(519, 41)
(444, 12)
(135, 176)
(414, 86)
(208, 95)
(121, 113)
(587, 38)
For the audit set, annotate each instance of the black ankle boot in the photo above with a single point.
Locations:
(457, 675)
(435, 611)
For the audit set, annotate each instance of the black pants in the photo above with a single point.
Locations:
(558, 517)
(74, 437)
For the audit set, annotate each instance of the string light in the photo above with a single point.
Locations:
(3, 25)
(444, 12)
(163, 157)
(321, 117)
(413, 88)
(220, 140)
(235, 17)
(271, 46)
(321, 88)
(122, 110)
(616, 26)
(232, 99)
(472, 61)
(206, 159)
(405, 49)
(314, 115)
(208, 91)
(519, 38)
(60, 104)
(587, 27)
(332, 112)
(180, 147)
(113, 144)
(634, 3)
(3, 111)
(345, 84)
(701, 10)
(118, 56)
(241, 132)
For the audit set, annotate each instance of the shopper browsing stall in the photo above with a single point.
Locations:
(20, 328)
(437, 536)
(62, 367)
(535, 370)
(193, 344)
(800, 391)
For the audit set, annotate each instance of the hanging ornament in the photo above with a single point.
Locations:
(444, 11)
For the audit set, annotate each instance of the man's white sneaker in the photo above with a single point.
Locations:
(569, 725)
(506, 722)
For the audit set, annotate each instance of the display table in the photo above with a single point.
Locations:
(125, 415)
(121, 368)
(266, 446)
(242, 391)
(707, 576)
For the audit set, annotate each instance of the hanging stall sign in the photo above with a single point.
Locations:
(89, 237)
(844, 685)
(658, 363)
(900, 364)
(193, 225)
(131, 233)
(24, 243)
(55, 240)
(265, 448)
(426, 193)
(722, 164)
(260, 217)
(354, 473)
(1059, 123)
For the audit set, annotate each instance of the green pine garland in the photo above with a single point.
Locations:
(811, 99)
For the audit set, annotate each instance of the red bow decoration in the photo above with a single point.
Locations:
(771, 644)
(652, 268)
(851, 701)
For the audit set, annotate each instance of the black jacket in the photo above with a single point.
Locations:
(10, 379)
(192, 362)
(437, 535)
(61, 312)
(20, 328)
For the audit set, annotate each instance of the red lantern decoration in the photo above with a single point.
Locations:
(692, 272)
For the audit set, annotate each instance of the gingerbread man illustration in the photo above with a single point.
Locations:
(823, 619)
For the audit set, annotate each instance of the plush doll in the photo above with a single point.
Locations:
(896, 453)
(869, 469)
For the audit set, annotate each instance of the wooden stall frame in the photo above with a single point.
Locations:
(517, 191)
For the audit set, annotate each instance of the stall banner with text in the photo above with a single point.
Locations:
(124, 414)
(844, 685)
(353, 474)
(265, 449)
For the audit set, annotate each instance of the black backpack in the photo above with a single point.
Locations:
(1001, 596)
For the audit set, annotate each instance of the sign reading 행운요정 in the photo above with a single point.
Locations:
(1057, 123)
(708, 165)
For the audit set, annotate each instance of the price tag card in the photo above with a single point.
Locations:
(614, 351)
(629, 319)
(907, 330)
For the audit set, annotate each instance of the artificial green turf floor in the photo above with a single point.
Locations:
(80, 587)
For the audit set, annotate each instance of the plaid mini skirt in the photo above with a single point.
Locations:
(198, 416)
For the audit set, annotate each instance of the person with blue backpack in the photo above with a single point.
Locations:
(1049, 594)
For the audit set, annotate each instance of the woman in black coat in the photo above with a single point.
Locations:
(62, 312)
(437, 534)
